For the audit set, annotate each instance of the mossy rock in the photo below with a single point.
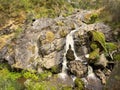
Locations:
(63, 33)
(94, 54)
(111, 46)
(93, 18)
(44, 75)
(79, 84)
(55, 69)
(94, 45)
(60, 23)
(43, 85)
(116, 57)
(98, 37)
(50, 36)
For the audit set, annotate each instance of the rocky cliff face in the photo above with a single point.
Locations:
(42, 44)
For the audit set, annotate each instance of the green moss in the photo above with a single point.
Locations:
(94, 54)
(116, 57)
(6, 74)
(63, 33)
(29, 75)
(94, 45)
(8, 79)
(93, 18)
(50, 36)
(45, 75)
(60, 23)
(79, 84)
(43, 85)
(55, 69)
(100, 38)
(111, 46)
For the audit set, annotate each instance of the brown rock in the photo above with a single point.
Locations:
(70, 54)
(77, 68)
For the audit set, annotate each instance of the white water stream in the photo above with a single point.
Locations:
(70, 41)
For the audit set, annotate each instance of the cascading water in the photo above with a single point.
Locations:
(69, 41)
(63, 74)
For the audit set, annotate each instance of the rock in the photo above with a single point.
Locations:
(107, 73)
(77, 68)
(44, 41)
(101, 75)
(50, 60)
(102, 61)
(70, 54)
(93, 84)
(56, 69)
(113, 83)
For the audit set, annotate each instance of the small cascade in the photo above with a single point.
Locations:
(63, 74)
(69, 42)
(91, 81)
(91, 73)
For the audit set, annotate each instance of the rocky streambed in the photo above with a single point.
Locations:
(42, 46)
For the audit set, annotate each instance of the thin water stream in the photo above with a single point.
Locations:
(70, 42)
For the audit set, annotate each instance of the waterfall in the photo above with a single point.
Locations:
(69, 41)
(63, 74)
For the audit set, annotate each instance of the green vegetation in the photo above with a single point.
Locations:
(43, 85)
(8, 79)
(79, 84)
(30, 9)
(100, 38)
(99, 45)
(29, 75)
(93, 18)
(55, 69)
(45, 75)
(111, 46)
(94, 54)
(8, 84)
(117, 56)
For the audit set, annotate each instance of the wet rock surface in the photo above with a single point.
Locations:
(77, 68)
(70, 54)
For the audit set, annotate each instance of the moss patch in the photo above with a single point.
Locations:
(49, 36)
(79, 85)
(111, 46)
(99, 37)
(63, 33)
(116, 57)
(94, 54)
